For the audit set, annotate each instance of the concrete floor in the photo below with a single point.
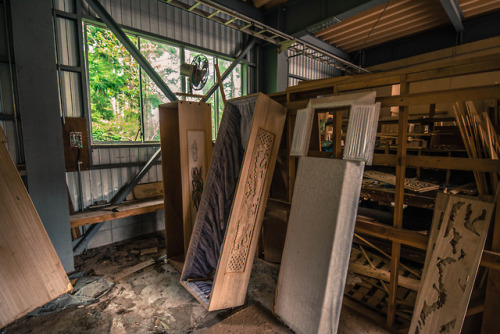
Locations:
(153, 301)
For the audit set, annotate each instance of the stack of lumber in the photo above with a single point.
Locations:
(410, 184)
(480, 140)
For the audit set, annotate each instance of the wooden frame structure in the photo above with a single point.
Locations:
(186, 141)
(467, 60)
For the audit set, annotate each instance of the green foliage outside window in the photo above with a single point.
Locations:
(124, 100)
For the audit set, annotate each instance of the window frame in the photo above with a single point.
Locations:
(158, 39)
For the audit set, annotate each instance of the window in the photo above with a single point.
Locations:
(124, 100)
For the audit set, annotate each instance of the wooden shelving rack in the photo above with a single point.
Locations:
(470, 59)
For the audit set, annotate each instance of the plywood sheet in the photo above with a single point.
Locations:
(318, 244)
(449, 278)
(30, 271)
(222, 249)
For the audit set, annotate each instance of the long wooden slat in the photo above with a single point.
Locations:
(453, 163)
(405, 282)
(93, 217)
(379, 230)
(398, 13)
(31, 274)
(445, 96)
(398, 206)
(492, 299)
(456, 66)
(425, 24)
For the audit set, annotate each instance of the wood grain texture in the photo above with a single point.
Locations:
(318, 244)
(447, 285)
(122, 211)
(148, 190)
(30, 271)
(177, 121)
(245, 221)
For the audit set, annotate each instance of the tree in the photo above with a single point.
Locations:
(114, 88)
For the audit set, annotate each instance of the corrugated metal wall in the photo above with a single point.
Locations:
(159, 18)
(7, 98)
(304, 68)
(151, 17)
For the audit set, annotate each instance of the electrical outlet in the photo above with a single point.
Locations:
(75, 139)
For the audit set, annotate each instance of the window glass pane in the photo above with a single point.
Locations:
(189, 55)
(114, 88)
(232, 85)
(165, 59)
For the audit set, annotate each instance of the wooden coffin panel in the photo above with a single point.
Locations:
(233, 238)
(31, 273)
(186, 142)
(318, 243)
(447, 284)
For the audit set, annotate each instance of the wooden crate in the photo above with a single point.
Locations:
(186, 143)
(220, 257)
(372, 292)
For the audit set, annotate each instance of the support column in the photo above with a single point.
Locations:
(34, 51)
(274, 70)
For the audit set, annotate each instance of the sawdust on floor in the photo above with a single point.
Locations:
(153, 301)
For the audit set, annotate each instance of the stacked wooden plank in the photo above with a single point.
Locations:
(30, 271)
(371, 290)
(220, 257)
(410, 184)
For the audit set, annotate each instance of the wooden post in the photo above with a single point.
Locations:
(492, 299)
(221, 86)
(398, 203)
(292, 161)
(337, 129)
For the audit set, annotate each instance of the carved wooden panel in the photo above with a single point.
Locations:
(247, 214)
(447, 285)
(197, 168)
(222, 248)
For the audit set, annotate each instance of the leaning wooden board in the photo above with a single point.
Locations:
(186, 142)
(238, 186)
(451, 271)
(30, 271)
(318, 243)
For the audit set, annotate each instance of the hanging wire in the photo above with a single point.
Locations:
(358, 54)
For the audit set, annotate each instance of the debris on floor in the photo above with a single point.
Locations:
(87, 290)
(152, 300)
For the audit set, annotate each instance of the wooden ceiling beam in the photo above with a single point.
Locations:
(260, 3)
(367, 17)
(382, 26)
(389, 37)
(367, 23)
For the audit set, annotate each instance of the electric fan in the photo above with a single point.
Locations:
(197, 72)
